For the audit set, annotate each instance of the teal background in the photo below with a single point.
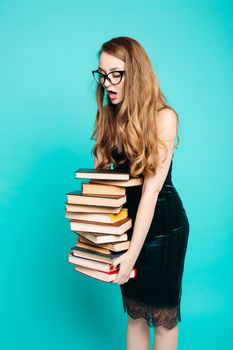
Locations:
(47, 111)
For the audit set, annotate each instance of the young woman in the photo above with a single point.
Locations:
(135, 130)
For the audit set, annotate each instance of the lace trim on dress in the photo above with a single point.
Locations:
(154, 316)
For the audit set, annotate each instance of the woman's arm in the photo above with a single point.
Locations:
(167, 130)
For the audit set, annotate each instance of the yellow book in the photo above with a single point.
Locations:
(95, 217)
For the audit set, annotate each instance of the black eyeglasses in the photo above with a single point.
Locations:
(113, 77)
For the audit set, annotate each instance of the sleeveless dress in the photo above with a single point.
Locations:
(155, 293)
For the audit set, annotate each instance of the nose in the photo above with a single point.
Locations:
(108, 83)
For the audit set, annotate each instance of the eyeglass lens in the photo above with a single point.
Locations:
(115, 77)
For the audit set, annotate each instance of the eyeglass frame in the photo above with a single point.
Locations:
(106, 76)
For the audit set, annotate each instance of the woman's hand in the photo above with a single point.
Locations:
(126, 262)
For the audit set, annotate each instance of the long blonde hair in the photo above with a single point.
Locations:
(133, 121)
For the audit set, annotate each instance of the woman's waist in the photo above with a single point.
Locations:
(169, 203)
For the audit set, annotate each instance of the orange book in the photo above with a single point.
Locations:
(102, 189)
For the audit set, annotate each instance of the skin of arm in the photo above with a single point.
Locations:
(167, 129)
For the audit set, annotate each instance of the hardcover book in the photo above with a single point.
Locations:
(98, 237)
(92, 264)
(114, 247)
(86, 253)
(116, 228)
(77, 197)
(133, 181)
(105, 218)
(102, 276)
(102, 189)
(79, 208)
(104, 174)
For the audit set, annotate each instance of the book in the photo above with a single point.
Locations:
(92, 264)
(94, 248)
(102, 276)
(115, 247)
(98, 237)
(86, 253)
(102, 189)
(79, 208)
(77, 197)
(105, 218)
(104, 174)
(96, 214)
(116, 228)
(133, 181)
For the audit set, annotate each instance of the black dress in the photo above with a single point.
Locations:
(155, 294)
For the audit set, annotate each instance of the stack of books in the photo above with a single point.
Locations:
(97, 216)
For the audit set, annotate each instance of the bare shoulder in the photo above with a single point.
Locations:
(167, 116)
(167, 123)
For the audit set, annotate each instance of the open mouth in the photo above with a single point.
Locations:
(111, 92)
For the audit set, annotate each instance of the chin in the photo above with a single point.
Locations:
(115, 102)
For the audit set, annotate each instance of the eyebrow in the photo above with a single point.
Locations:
(109, 69)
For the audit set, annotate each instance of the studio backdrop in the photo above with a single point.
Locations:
(47, 111)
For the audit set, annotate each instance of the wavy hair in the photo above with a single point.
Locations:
(133, 121)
